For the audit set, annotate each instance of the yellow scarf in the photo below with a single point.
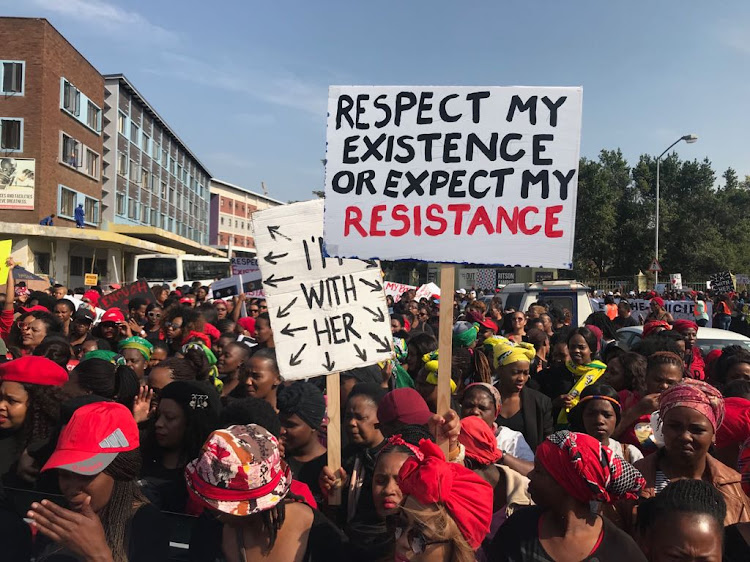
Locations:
(587, 374)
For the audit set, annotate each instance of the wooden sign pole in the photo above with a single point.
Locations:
(445, 344)
(333, 392)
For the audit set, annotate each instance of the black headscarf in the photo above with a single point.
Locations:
(303, 399)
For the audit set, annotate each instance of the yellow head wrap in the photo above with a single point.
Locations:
(430, 361)
(506, 352)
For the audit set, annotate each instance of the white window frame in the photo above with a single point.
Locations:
(122, 119)
(145, 143)
(77, 106)
(122, 164)
(88, 157)
(87, 215)
(98, 124)
(82, 158)
(137, 133)
(20, 144)
(120, 205)
(60, 212)
(23, 77)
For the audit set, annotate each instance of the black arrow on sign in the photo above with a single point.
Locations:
(289, 331)
(274, 230)
(284, 312)
(374, 286)
(329, 365)
(361, 353)
(271, 258)
(294, 359)
(383, 343)
(273, 282)
(379, 316)
(370, 263)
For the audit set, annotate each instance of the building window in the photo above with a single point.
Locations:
(120, 204)
(41, 263)
(171, 195)
(71, 98)
(172, 165)
(133, 171)
(71, 151)
(132, 205)
(222, 221)
(92, 163)
(76, 266)
(91, 208)
(122, 121)
(122, 164)
(134, 133)
(67, 202)
(11, 134)
(13, 79)
(144, 177)
(145, 139)
(164, 158)
(94, 117)
(163, 190)
(155, 151)
(154, 217)
(144, 213)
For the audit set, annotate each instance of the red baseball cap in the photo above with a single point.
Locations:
(33, 370)
(93, 437)
(35, 308)
(404, 405)
(113, 315)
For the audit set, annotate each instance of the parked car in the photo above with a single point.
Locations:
(570, 295)
(708, 338)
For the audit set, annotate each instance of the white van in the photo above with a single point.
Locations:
(179, 270)
(570, 295)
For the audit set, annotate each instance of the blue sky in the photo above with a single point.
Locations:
(244, 83)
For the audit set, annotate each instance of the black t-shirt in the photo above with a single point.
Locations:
(518, 541)
(308, 473)
(515, 422)
(620, 322)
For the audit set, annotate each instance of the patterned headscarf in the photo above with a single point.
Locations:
(464, 334)
(139, 343)
(587, 470)
(506, 352)
(695, 394)
(491, 390)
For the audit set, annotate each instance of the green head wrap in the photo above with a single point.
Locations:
(139, 343)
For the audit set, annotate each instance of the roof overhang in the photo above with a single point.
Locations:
(160, 236)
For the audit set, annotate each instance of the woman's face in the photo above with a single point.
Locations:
(14, 403)
(660, 377)
(684, 537)
(514, 377)
(690, 336)
(230, 360)
(174, 329)
(33, 333)
(477, 402)
(136, 361)
(559, 354)
(108, 330)
(263, 379)
(386, 494)
(413, 308)
(427, 390)
(221, 310)
(599, 419)
(412, 532)
(738, 371)
(295, 434)
(518, 321)
(616, 374)
(79, 329)
(687, 434)
(170, 425)
(201, 294)
(361, 418)
(75, 488)
(580, 353)
(157, 356)
(395, 326)
(63, 312)
(544, 489)
(153, 316)
(263, 332)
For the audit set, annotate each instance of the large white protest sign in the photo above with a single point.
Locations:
(453, 174)
(327, 314)
(640, 308)
(396, 290)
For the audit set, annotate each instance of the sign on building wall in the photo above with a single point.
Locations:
(483, 175)
(327, 314)
(17, 183)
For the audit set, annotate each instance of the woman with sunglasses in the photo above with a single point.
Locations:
(447, 511)
(152, 327)
(516, 330)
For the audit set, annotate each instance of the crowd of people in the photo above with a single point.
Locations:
(560, 443)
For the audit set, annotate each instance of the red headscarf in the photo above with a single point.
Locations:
(695, 394)
(587, 470)
(247, 323)
(466, 496)
(652, 325)
(92, 296)
(479, 441)
(684, 325)
(659, 301)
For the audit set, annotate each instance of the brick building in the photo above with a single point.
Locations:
(231, 208)
(50, 126)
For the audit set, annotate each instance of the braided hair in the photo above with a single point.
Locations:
(660, 358)
(682, 496)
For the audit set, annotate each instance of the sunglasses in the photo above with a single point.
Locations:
(263, 307)
(220, 309)
(172, 325)
(423, 315)
(154, 314)
(23, 326)
(254, 310)
(417, 541)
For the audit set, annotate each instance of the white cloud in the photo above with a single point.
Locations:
(278, 87)
(107, 18)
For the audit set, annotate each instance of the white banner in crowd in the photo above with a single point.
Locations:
(484, 175)
(242, 266)
(680, 310)
(327, 314)
(249, 283)
(396, 290)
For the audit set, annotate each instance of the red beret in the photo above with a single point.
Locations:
(684, 325)
(659, 301)
(33, 370)
(35, 308)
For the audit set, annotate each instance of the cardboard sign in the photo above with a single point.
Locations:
(249, 283)
(640, 308)
(242, 266)
(90, 279)
(484, 175)
(327, 314)
(396, 290)
(121, 297)
(722, 282)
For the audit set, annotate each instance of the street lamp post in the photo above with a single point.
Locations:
(688, 139)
